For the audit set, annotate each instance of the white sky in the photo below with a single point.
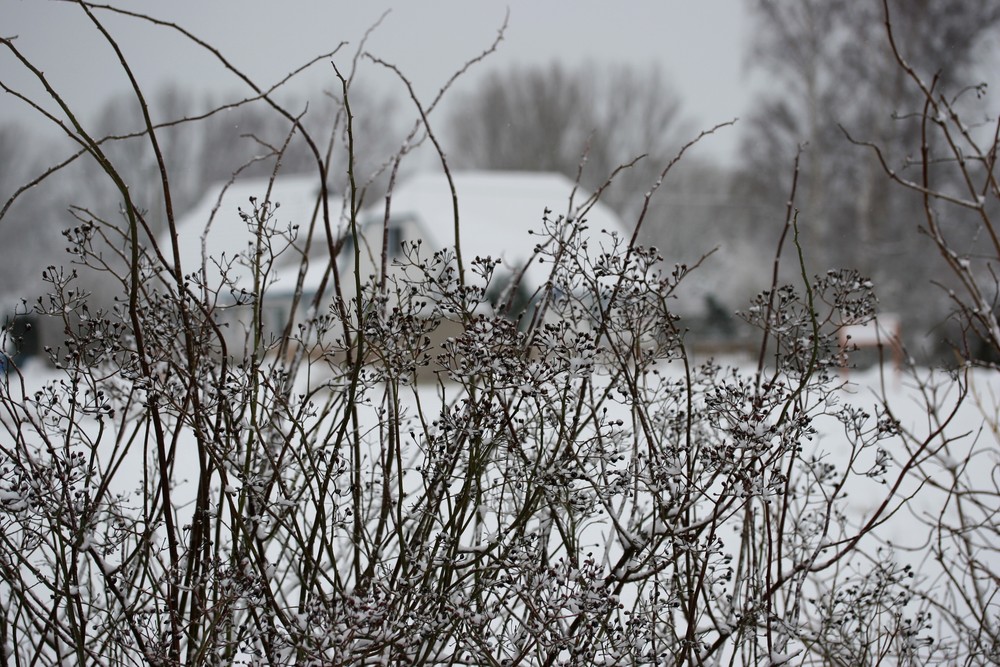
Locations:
(699, 44)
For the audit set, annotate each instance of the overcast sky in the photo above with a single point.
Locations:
(700, 45)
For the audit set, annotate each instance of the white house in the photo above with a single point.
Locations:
(497, 211)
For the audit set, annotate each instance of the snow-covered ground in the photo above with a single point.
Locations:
(968, 444)
(956, 441)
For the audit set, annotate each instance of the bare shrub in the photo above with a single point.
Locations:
(568, 487)
(950, 171)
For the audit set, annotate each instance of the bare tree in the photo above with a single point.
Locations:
(29, 224)
(949, 173)
(829, 67)
(120, 123)
(204, 142)
(12, 171)
(596, 117)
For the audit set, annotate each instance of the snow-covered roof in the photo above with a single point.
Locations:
(496, 208)
(497, 212)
